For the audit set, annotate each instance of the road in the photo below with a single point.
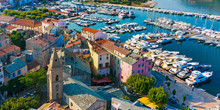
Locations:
(160, 82)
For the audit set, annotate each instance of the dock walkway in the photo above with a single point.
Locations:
(197, 99)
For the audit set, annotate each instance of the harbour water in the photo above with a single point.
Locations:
(205, 54)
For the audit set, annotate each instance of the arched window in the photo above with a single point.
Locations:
(57, 78)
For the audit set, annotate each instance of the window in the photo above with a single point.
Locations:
(0, 45)
(100, 58)
(100, 65)
(57, 78)
(138, 71)
(107, 57)
(106, 64)
(139, 65)
(24, 68)
(149, 63)
(71, 104)
(1, 76)
(133, 71)
(149, 69)
(19, 72)
(142, 71)
(0, 70)
(6, 42)
(115, 57)
(13, 75)
(143, 65)
(57, 95)
(118, 61)
(9, 76)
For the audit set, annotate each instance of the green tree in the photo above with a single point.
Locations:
(17, 39)
(36, 79)
(38, 17)
(50, 13)
(124, 97)
(33, 17)
(44, 15)
(158, 95)
(160, 107)
(174, 92)
(187, 108)
(140, 84)
(20, 103)
(184, 99)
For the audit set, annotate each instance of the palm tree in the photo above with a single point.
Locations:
(174, 92)
(184, 99)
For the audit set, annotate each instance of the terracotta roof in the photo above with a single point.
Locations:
(8, 49)
(112, 47)
(6, 18)
(48, 20)
(32, 65)
(26, 22)
(40, 43)
(98, 49)
(9, 27)
(90, 30)
(100, 42)
(74, 43)
(56, 11)
(49, 38)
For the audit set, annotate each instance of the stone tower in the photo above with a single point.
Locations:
(55, 78)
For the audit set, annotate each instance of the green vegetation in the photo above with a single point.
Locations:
(35, 79)
(140, 84)
(13, 87)
(158, 95)
(187, 108)
(124, 97)
(125, 2)
(20, 103)
(17, 39)
(174, 92)
(34, 14)
(184, 99)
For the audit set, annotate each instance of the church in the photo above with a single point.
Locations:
(71, 93)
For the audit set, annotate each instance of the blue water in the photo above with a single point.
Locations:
(204, 54)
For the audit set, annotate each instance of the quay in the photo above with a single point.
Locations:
(67, 19)
(196, 98)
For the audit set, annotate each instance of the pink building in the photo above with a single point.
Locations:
(17, 68)
(92, 34)
(53, 22)
(133, 64)
(4, 41)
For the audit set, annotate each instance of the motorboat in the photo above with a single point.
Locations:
(184, 74)
(180, 38)
(203, 67)
(174, 70)
(164, 40)
(198, 78)
(131, 14)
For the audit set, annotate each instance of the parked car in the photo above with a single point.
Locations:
(173, 100)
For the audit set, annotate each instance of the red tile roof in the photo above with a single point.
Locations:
(49, 38)
(32, 65)
(48, 20)
(26, 22)
(112, 47)
(74, 43)
(102, 80)
(90, 30)
(97, 48)
(40, 43)
(9, 27)
(79, 36)
(8, 49)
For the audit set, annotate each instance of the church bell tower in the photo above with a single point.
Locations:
(55, 78)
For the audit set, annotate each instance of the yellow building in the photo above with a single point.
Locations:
(26, 24)
(100, 59)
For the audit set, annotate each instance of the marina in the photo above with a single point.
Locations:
(154, 36)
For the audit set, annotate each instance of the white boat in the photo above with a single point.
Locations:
(131, 14)
(174, 70)
(180, 38)
(164, 40)
(121, 15)
(198, 78)
(218, 46)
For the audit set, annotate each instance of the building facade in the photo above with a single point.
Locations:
(53, 22)
(92, 34)
(4, 41)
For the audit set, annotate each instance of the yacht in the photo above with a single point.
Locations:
(121, 15)
(164, 40)
(174, 70)
(180, 38)
(131, 14)
(183, 74)
(198, 78)
(203, 67)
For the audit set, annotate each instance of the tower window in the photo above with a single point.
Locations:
(57, 78)
(55, 59)
(57, 87)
